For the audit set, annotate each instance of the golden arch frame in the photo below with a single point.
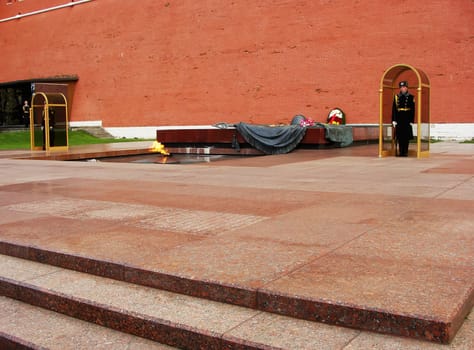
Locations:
(49, 122)
(388, 86)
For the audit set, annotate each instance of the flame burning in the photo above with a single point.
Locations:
(163, 160)
(159, 148)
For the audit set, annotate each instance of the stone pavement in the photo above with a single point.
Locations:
(252, 250)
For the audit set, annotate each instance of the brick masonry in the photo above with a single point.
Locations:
(166, 62)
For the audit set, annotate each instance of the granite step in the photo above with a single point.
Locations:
(23, 326)
(95, 131)
(258, 299)
(168, 318)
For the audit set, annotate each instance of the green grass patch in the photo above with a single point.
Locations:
(18, 140)
(468, 141)
(14, 140)
(81, 137)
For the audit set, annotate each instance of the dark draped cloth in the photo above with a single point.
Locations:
(283, 139)
(340, 134)
(272, 139)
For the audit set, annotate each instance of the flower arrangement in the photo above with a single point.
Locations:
(336, 117)
(306, 122)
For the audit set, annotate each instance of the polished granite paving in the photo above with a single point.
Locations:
(337, 236)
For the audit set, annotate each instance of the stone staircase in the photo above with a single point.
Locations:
(102, 302)
(31, 327)
(150, 313)
(49, 307)
(95, 131)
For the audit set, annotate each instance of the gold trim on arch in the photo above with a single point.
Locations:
(41, 102)
(387, 86)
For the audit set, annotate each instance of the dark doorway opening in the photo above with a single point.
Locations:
(13, 94)
(12, 98)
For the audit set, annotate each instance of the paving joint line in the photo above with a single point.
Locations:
(319, 257)
(453, 187)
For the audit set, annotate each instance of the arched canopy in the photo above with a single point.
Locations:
(417, 80)
(391, 76)
(49, 121)
(51, 98)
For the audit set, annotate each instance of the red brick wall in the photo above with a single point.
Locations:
(158, 62)
(13, 7)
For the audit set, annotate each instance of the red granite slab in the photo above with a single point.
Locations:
(243, 266)
(24, 325)
(406, 298)
(114, 318)
(162, 193)
(14, 343)
(322, 247)
(313, 136)
(411, 275)
(20, 196)
(464, 166)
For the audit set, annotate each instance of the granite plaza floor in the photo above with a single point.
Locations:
(337, 236)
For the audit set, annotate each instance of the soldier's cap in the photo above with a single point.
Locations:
(403, 83)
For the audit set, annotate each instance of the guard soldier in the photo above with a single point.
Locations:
(403, 114)
(51, 122)
(26, 114)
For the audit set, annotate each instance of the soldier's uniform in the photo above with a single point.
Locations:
(403, 113)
